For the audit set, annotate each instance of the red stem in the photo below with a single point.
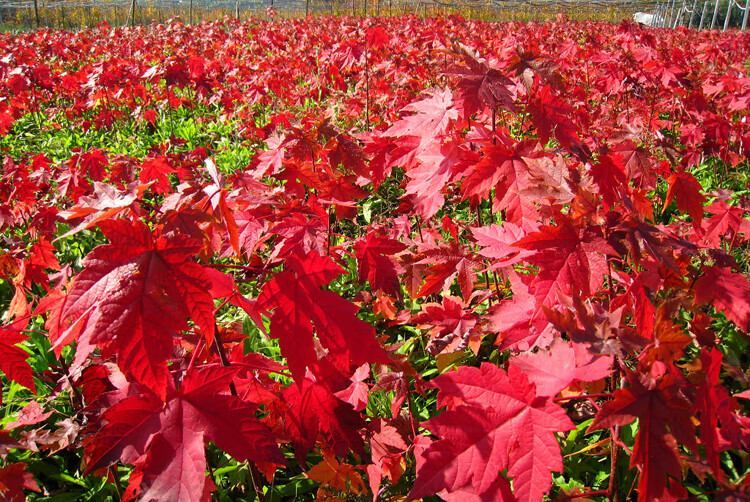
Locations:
(223, 356)
(612, 493)
(583, 396)
(255, 475)
(194, 355)
(419, 227)
(497, 288)
(328, 242)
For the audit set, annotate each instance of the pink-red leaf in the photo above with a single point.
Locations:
(495, 422)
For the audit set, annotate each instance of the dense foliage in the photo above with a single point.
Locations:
(374, 258)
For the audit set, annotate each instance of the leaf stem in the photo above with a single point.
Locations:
(479, 222)
(78, 401)
(419, 227)
(497, 288)
(612, 492)
(583, 396)
(223, 356)
(255, 477)
(254, 472)
(194, 355)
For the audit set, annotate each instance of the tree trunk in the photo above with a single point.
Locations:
(716, 15)
(692, 13)
(131, 14)
(703, 15)
(729, 15)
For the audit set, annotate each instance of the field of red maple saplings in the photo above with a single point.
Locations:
(374, 259)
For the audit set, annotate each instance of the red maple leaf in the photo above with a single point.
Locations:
(14, 478)
(104, 203)
(637, 299)
(343, 150)
(728, 292)
(135, 294)
(657, 402)
(687, 192)
(481, 85)
(157, 169)
(172, 434)
(495, 422)
(301, 306)
(385, 152)
(609, 175)
(727, 222)
(432, 117)
(13, 359)
(498, 241)
(451, 261)
(357, 394)
(562, 364)
(571, 260)
(387, 449)
(503, 167)
(552, 118)
(519, 321)
(636, 160)
(711, 399)
(669, 340)
(92, 163)
(31, 414)
(313, 410)
(375, 263)
(451, 325)
(430, 172)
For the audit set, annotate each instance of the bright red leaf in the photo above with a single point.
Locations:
(302, 308)
(13, 358)
(172, 434)
(663, 413)
(728, 292)
(376, 263)
(562, 364)
(14, 479)
(495, 422)
(135, 294)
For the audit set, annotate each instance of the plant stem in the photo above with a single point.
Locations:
(479, 222)
(78, 398)
(223, 356)
(419, 227)
(583, 396)
(328, 238)
(367, 85)
(255, 477)
(497, 288)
